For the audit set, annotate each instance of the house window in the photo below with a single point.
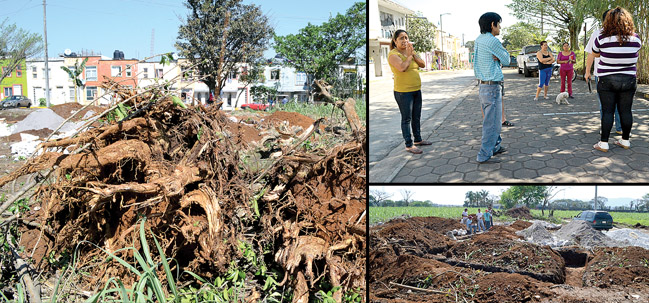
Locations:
(19, 72)
(91, 92)
(34, 72)
(91, 73)
(115, 71)
(4, 71)
(145, 72)
(71, 88)
(8, 91)
(129, 71)
(274, 74)
(300, 79)
(232, 75)
(158, 73)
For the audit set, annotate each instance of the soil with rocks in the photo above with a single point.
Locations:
(520, 224)
(206, 189)
(520, 212)
(498, 266)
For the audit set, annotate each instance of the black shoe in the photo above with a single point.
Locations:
(500, 151)
(490, 161)
(571, 97)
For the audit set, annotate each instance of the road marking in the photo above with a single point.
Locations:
(582, 113)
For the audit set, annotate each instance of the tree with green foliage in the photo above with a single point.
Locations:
(74, 74)
(16, 45)
(318, 50)
(470, 45)
(521, 34)
(218, 35)
(528, 195)
(640, 11)
(562, 14)
(262, 93)
(421, 32)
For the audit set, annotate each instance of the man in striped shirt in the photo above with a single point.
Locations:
(618, 47)
(489, 54)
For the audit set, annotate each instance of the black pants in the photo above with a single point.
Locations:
(616, 90)
(410, 108)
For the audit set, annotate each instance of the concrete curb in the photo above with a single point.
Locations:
(385, 170)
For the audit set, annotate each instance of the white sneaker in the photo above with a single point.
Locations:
(536, 99)
(626, 144)
(601, 146)
(545, 97)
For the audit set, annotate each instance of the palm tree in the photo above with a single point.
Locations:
(74, 75)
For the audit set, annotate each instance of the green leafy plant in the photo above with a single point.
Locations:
(75, 73)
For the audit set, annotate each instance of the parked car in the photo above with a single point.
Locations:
(15, 101)
(598, 219)
(255, 106)
(527, 61)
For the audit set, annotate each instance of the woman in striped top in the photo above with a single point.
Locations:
(617, 48)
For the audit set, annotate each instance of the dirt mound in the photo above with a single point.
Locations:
(412, 239)
(437, 224)
(414, 270)
(498, 254)
(582, 233)
(294, 119)
(623, 266)
(520, 212)
(502, 231)
(41, 133)
(520, 224)
(504, 287)
(66, 110)
(301, 213)
(536, 233)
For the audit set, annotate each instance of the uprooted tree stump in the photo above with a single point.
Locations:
(181, 169)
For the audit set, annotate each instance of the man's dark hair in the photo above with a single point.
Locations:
(604, 14)
(486, 20)
(541, 44)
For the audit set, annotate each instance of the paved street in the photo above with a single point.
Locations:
(549, 143)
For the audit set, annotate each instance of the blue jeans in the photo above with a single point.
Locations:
(410, 108)
(492, 104)
(481, 225)
(618, 126)
(488, 224)
(544, 76)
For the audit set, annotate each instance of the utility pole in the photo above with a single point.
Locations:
(595, 208)
(542, 17)
(47, 70)
(441, 29)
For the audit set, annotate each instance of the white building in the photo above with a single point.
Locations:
(385, 17)
(61, 87)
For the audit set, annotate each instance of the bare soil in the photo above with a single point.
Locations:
(497, 266)
(521, 213)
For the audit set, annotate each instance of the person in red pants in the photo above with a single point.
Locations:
(566, 58)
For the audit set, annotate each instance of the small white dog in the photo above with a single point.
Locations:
(562, 98)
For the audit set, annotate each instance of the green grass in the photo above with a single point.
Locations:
(383, 214)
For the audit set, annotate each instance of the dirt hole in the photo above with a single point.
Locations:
(574, 257)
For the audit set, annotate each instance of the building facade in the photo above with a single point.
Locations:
(385, 17)
(15, 83)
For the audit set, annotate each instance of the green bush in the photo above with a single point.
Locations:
(42, 102)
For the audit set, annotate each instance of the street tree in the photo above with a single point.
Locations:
(218, 35)
(421, 32)
(549, 192)
(318, 50)
(379, 195)
(74, 74)
(521, 34)
(639, 9)
(562, 14)
(406, 194)
(16, 45)
(470, 45)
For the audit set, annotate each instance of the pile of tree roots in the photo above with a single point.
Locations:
(185, 174)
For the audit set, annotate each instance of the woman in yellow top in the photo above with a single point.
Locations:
(407, 88)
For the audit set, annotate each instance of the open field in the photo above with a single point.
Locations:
(383, 214)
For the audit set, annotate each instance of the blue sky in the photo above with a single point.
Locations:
(104, 26)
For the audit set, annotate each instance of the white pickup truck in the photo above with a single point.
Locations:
(527, 61)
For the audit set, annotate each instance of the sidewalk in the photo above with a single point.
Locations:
(549, 143)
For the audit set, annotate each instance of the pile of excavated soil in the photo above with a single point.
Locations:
(505, 287)
(66, 110)
(520, 212)
(536, 233)
(520, 224)
(440, 225)
(499, 254)
(625, 266)
(504, 232)
(410, 238)
(581, 233)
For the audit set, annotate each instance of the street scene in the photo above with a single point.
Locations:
(426, 115)
(183, 151)
(548, 142)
